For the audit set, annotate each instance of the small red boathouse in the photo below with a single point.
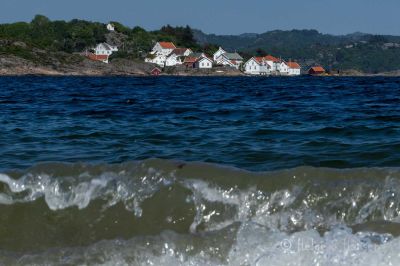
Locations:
(317, 70)
(156, 71)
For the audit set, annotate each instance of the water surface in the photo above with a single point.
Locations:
(199, 171)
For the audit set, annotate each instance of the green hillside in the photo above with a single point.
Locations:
(363, 52)
(78, 35)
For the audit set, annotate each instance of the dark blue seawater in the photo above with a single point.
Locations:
(251, 123)
(133, 171)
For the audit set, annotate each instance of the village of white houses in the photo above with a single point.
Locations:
(167, 54)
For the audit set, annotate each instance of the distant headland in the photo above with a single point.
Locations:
(78, 47)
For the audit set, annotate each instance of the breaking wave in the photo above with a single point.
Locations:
(161, 212)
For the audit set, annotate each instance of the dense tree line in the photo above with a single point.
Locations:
(78, 35)
(72, 36)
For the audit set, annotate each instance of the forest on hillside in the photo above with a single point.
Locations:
(77, 35)
(362, 52)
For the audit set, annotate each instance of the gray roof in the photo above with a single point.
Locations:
(196, 55)
(179, 51)
(233, 56)
(106, 46)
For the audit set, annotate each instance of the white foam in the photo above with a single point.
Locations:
(253, 245)
(61, 193)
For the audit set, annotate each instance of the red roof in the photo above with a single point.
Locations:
(156, 71)
(271, 58)
(100, 57)
(179, 51)
(167, 45)
(293, 65)
(190, 59)
(258, 59)
(317, 69)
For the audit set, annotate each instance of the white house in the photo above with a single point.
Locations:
(164, 48)
(158, 59)
(273, 62)
(177, 56)
(282, 68)
(203, 63)
(225, 62)
(105, 49)
(230, 59)
(101, 52)
(110, 27)
(257, 66)
(218, 53)
(160, 52)
(294, 69)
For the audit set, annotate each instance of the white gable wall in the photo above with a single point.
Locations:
(222, 60)
(218, 53)
(101, 49)
(237, 65)
(187, 52)
(225, 62)
(173, 60)
(158, 49)
(252, 67)
(283, 68)
(204, 63)
(158, 59)
(273, 66)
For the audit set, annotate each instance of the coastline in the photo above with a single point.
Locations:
(76, 65)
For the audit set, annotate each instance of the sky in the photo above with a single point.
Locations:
(221, 16)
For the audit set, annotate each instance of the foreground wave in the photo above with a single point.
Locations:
(160, 212)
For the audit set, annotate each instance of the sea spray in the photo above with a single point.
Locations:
(170, 212)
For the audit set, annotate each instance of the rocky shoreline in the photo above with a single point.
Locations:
(62, 64)
(77, 65)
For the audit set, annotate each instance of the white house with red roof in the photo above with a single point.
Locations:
(189, 61)
(167, 54)
(164, 48)
(272, 61)
(282, 68)
(101, 52)
(177, 56)
(257, 66)
(294, 69)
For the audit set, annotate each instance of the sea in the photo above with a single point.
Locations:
(199, 171)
